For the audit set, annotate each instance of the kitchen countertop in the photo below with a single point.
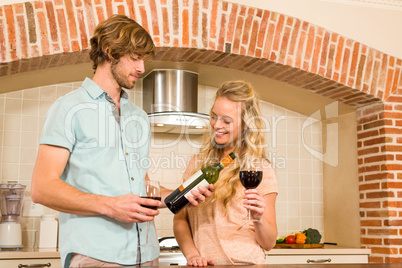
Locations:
(29, 253)
(364, 265)
(327, 249)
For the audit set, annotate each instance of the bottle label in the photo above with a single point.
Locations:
(204, 183)
(226, 160)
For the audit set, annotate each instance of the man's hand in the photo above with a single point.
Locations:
(127, 208)
(200, 196)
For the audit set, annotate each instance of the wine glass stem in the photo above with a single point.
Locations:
(146, 238)
(248, 214)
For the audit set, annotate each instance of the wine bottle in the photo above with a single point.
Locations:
(177, 200)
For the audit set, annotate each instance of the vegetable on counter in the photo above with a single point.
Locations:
(300, 238)
(313, 236)
(290, 239)
(281, 240)
(308, 236)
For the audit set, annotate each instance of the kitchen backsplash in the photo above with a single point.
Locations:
(290, 138)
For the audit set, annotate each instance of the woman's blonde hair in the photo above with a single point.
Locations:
(250, 142)
(119, 36)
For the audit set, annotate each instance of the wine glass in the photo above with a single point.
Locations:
(251, 176)
(151, 191)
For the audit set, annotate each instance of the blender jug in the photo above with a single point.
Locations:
(11, 198)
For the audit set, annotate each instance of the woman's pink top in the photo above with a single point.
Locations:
(227, 239)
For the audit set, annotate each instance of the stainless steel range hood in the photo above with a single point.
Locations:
(170, 98)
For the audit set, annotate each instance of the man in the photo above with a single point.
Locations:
(89, 159)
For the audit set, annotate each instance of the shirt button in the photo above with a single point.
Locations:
(126, 153)
(132, 178)
(140, 230)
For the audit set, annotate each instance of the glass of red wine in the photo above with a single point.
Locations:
(151, 191)
(250, 177)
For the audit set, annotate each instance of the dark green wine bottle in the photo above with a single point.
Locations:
(177, 200)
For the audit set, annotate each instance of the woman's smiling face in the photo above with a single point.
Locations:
(226, 122)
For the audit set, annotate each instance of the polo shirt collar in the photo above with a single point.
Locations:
(96, 91)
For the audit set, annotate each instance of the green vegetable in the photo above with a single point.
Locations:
(281, 240)
(313, 236)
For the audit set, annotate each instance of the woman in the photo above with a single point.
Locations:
(215, 232)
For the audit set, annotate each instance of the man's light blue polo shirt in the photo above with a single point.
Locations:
(106, 158)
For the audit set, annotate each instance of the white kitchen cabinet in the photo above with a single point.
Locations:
(331, 255)
(40, 263)
(30, 256)
(306, 259)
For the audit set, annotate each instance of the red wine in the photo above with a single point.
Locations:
(151, 197)
(250, 178)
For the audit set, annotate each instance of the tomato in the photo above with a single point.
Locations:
(290, 239)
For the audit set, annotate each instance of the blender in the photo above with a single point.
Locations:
(11, 198)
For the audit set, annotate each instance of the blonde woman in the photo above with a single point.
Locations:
(215, 231)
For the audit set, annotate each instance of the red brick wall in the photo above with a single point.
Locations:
(50, 33)
(380, 177)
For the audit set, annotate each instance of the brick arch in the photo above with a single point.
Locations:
(50, 33)
(38, 35)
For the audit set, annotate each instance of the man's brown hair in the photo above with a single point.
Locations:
(119, 36)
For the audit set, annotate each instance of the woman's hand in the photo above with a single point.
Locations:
(201, 195)
(255, 203)
(199, 261)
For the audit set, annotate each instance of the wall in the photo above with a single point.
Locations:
(379, 144)
(21, 118)
(341, 199)
(299, 174)
(357, 18)
(267, 44)
(373, 23)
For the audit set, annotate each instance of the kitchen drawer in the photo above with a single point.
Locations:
(305, 259)
(54, 263)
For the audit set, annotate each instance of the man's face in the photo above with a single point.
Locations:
(127, 69)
